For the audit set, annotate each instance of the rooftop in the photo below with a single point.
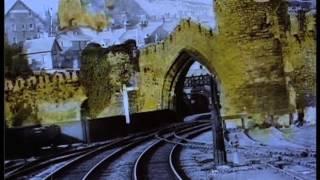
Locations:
(38, 6)
(38, 45)
(140, 33)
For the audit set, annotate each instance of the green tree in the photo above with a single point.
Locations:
(15, 64)
(79, 16)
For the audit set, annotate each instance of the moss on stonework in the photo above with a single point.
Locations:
(300, 59)
(254, 31)
(101, 76)
(23, 106)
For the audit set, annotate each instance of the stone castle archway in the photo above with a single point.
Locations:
(178, 70)
(235, 68)
(172, 89)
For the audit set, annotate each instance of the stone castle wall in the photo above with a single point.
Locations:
(300, 59)
(43, 98)
(259, 54)
(40, 81)
(254, 32)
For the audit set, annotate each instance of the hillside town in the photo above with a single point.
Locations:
(34, 25)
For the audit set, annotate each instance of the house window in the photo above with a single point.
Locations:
(22, 26)
(68, 56)
(76, 45)
(14, 39)
(14, 27)
(31, 26)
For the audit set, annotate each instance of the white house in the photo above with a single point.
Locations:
(72, 43)
(28, 19)
(43, 53)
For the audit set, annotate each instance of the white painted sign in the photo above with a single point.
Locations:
(126, 101)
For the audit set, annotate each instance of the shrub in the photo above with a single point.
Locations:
(15, 64)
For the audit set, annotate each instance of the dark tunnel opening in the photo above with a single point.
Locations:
(194, 91)
(190, 88)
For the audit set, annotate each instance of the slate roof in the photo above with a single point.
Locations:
(116, 36)
(169, 26)
(38, 45)
(140, 33)
(178, 8)
(105, 38)
(159, 7)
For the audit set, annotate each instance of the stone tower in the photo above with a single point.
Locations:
(256, 30)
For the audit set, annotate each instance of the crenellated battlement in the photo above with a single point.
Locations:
(41, 81)
(185, 25)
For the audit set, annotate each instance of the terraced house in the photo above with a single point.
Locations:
(29, 19)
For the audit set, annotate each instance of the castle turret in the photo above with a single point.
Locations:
(253, 34)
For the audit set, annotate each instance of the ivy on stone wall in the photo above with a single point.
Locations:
(22, 107)
(121, 71)
(101, 76)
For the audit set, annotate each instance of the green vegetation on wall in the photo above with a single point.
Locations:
(300, 58)
(25, 106)
(102, 75)
(255, 31)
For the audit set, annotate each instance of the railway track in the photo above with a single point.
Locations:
(38, 164)
(37, 168)
(153, 155)
(185, 141)
(81, 166)
(158, 161)
(92, 163)
(120, 163)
